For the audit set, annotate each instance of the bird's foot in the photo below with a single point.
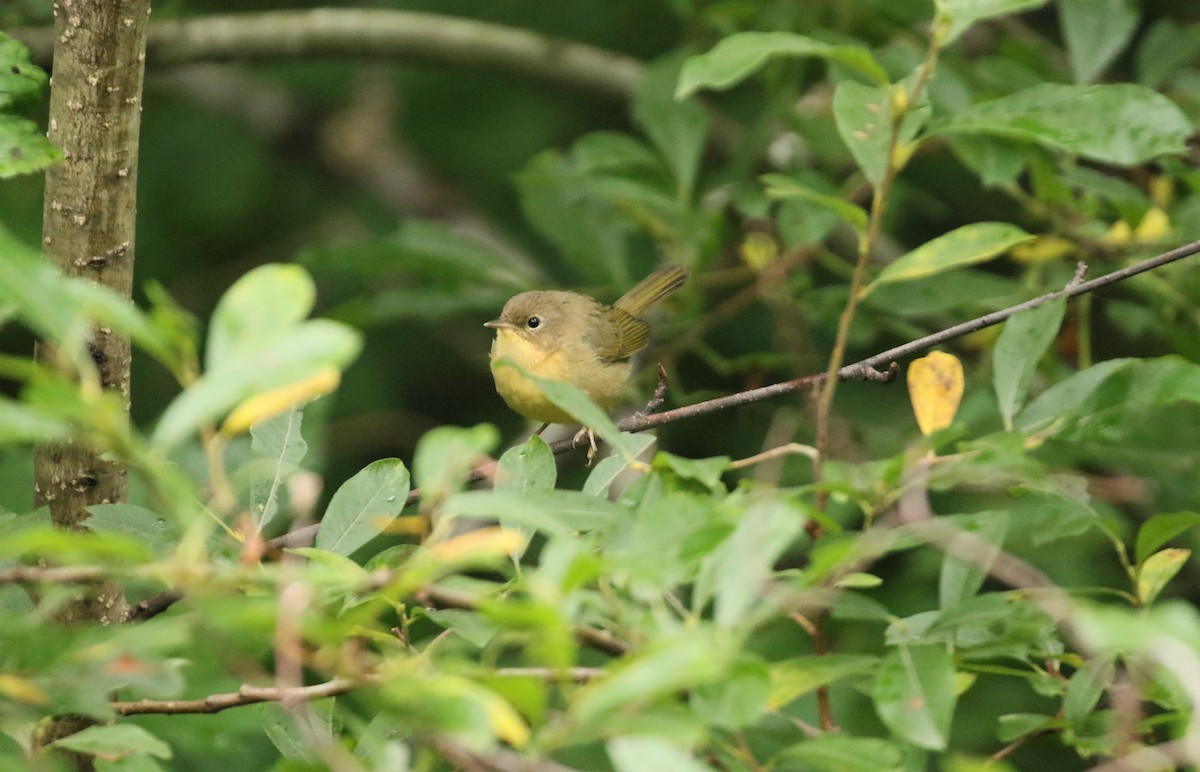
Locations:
(591, 438)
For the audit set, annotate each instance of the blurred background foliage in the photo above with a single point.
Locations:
(422, 197)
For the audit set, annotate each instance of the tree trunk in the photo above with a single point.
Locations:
(88, 230)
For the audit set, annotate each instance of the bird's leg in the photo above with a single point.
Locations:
(541, 429)
(591, 436)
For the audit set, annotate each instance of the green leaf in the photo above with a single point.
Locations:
(967, 245)
(781, 186)
(294, 354)
(638, 753)
(706, 471)
(1086, 687)
(445, 456)
(115, 740)
(1066, 397)
(276, 449)
(736, 700)
(1096, 31)
(1158, 530)
(21, 424)
(663, 667)
(841, 753)
(529, 466)
(1123, 124)
(963, 13)
(259, 306)
(1164, 49)
(914, 694)
(137, 523)
(961, 577)
(19, 78)
(738, 56)
(1014, 725)
(23, 147)
(608, 469)
(734, 573)
(996, 160)
(1158, 569)
(362, 505)
(863, 115)
(795, 677)
(677, 128)
(553, 511)
(1022, 342)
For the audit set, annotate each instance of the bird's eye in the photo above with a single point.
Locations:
(533, 322)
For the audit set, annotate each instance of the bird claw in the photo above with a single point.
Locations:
(591, 437)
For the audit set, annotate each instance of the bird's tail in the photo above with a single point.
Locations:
(652, 289)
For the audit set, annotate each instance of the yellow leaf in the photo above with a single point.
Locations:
(935, 387)
(273, 402)
(1162, 190)
(1118, 235)
(758, 250)
(1154, 226)
(1044, 249)
(492, 542)
(1157, 570)
(506, 722)
(22, 690)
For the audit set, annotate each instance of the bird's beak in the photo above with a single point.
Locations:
(500, 324)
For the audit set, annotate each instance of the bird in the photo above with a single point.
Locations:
(568, 336)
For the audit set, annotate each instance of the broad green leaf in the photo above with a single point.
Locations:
(963, 13)
(63, 309)
(1164, 49)
(553, 511)
(445, 456)
(294, 354)
(962, 576)
(782, 186)
(609, 468)
(1125, 629)
(857, 581)
(706, 471)
(738, 56)
(1158, 569)
(638, 753)
(1014, 725)
(737, 700)
(996, 160)
(19, 79)
(863, 115)
(138, 523)
(1096, 31)
(914, 694)
(1123, 124)
(1086, 687)
(1022, 342)
(829, 752)
(665, 666)
(23, 147)
(276, 449)
(22, 424)
(115, 740)
(613, 150)
(262, 304)
(734, 573)
(1066, 397)
(677, 128)
(363, 505)
(967, 245)
(795, 677)
(1160, 529)
(529, 466)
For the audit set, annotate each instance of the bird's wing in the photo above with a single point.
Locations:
(617, 334)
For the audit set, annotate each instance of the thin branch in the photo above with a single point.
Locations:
(416, 37)
(54, 574)
(880, 368)
(495, 760)
(246, 695)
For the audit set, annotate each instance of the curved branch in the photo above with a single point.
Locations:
(417, 37)
(246, 695)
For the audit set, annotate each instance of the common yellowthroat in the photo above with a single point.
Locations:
(568, 336)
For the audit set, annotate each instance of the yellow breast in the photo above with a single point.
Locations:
(601, 383)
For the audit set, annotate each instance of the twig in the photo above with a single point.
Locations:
(246, 695)
(495, 760)
(579, 675)
(54, 574)
(880, 367)
(410, 36)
